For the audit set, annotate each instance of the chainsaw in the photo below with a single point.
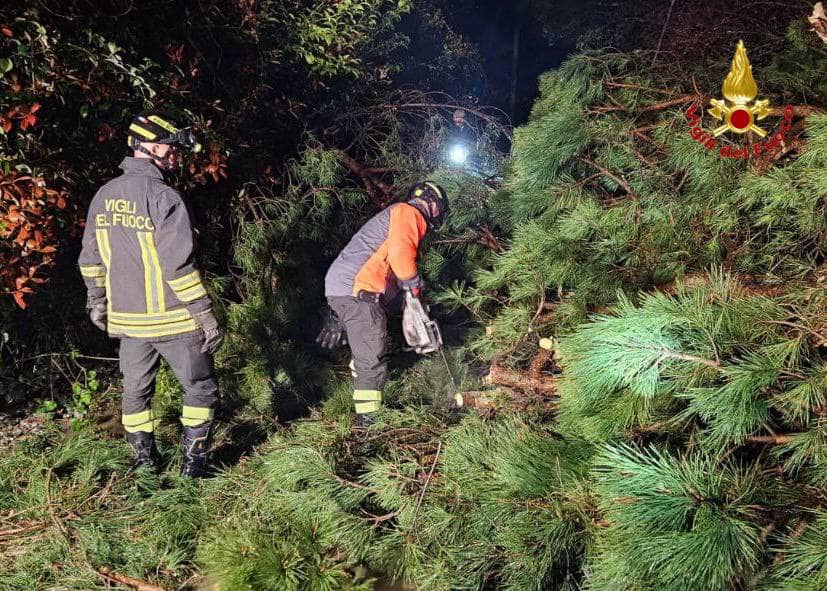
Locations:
(421, 332)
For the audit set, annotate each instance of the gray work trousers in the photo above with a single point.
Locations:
(366, 326)
(139, 360)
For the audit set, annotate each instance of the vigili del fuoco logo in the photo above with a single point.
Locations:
(739, 112)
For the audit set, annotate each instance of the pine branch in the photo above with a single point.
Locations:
(120, 579)
(668, 354)
(377, 519)
(681, 100)
(484, 237)
(503, 397)
(771, 439)
(639, 87)
(379, 190)
(606, 172)
(543, 358)
(651, 428)
(425, 486)
(671, 103)
(800, 111)
(501, 376)
(487, 238)
(17, 531)
(820, 338)
(345, 482)
(793, 537)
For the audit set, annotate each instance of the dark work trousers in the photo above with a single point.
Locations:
(139, 360)
(366, 326)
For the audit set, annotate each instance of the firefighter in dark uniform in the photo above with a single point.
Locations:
(143, 288)
(379, 260)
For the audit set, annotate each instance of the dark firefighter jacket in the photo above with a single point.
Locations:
(138, 254)
(381, 255)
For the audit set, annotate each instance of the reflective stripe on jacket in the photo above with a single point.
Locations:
(138, 254)
(381, 254)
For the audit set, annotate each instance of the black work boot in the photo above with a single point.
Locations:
(364, 420)
(146, 454)
(195, 444)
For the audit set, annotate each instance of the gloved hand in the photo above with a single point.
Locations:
(413, 286)
(97, 313)
(213, 335)
(333, 332)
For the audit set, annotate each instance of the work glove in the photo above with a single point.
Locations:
(97, 314)
(413, 286)
(333, 332)
(213, 335)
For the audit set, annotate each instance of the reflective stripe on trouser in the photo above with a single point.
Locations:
(192, 416)
(140, 421)
(365, 401)
(139, 361)
(365, 324)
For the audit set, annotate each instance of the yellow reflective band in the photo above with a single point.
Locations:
(143, 421)
(102, 238)
(367, 395)
(189, 287)
(151, 325)
(150, 319)
(174, 325)
(162, 323)
(192, 294)
(138, 418)
(149, 292)
(185, 280)
(92, 271)
(163, 123)
(100, 281)
(179, 313)
(365, 401)
(142, 132)
(192, 416)
(150, 332)
(195, 282)
(157, 272)
(362, 408)
(436, 190)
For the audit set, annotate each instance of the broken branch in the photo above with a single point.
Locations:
(608, 173)
(120, 579)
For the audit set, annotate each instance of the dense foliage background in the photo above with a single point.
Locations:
(635, 324)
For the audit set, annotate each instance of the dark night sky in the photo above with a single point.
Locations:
(684, 31)
(490, 24)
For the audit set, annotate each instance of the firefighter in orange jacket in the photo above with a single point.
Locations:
(380, 259)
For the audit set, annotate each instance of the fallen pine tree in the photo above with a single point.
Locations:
(672, 438)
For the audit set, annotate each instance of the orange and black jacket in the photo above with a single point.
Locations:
(381, 256)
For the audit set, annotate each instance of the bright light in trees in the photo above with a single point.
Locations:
(458, 154)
